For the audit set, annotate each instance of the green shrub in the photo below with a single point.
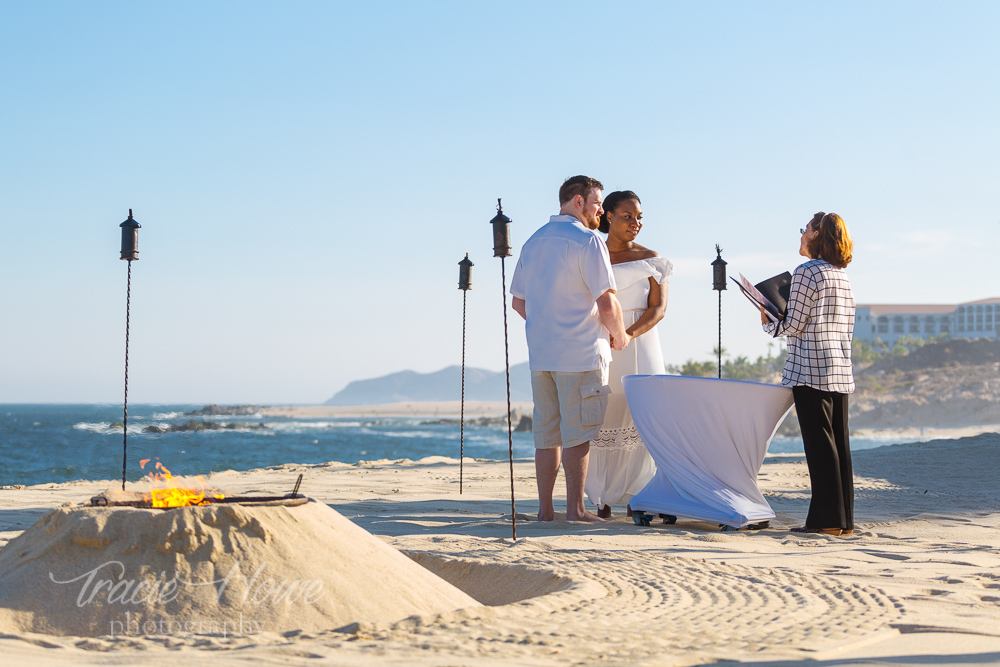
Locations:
(740, 368)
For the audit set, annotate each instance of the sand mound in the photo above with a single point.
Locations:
(221, 569)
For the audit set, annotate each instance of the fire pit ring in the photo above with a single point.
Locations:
(143, 500)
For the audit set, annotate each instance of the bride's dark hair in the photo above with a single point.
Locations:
(611, 203)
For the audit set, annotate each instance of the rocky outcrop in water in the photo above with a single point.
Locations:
(196, 425)
(521, 422)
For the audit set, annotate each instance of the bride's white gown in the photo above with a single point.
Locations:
(619, 463)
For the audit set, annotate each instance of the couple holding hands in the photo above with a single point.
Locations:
(591, 308)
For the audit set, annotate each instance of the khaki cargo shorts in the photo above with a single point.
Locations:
(569, 407)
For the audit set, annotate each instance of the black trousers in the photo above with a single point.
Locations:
(823, 421)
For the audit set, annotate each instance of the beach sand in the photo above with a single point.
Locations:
(918, 583)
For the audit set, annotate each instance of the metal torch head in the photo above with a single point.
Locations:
(465, 273)
(501, 233)
(130, 238)
(718, 271)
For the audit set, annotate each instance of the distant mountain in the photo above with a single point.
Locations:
(443, 385)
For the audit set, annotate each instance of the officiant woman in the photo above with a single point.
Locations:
(819, 326)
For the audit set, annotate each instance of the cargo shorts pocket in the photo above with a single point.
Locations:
(593, 403)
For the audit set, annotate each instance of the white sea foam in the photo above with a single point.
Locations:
(106, 427)
(409, 434)
(167, 415)
(297, 426)
(95, 427)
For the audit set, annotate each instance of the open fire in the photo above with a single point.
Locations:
(170, 492)
(167, 493)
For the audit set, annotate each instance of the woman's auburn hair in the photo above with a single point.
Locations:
(833, 243)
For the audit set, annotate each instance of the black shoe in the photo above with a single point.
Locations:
(836, 532)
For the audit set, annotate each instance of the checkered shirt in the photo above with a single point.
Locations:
(819, 327)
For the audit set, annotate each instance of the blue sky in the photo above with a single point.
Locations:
(307, 175)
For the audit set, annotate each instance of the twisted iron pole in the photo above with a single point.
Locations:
(128, 307)
(510, 433)
(461, 437)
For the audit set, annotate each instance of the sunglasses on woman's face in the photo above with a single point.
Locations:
(803, 231)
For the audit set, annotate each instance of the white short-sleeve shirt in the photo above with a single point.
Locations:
(562, 271)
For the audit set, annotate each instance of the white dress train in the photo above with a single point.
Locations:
(619, 463)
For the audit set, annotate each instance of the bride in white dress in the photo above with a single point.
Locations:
(619, 463)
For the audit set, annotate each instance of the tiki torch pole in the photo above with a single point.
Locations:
(129, 252)
(719, 284)
(501, 249)
(464, 284)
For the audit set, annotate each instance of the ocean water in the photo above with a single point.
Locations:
(57, 443)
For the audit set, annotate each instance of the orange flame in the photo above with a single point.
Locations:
(166, 492)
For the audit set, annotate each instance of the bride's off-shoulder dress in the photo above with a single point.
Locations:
(619, 463)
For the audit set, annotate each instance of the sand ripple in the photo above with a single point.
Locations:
(668, 604)
(602, 606)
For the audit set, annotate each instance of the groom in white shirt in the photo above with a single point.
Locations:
(564, 289)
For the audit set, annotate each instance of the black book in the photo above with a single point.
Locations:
(772, 294)
(776, 290)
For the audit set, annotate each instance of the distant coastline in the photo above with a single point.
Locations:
(443, 385)
(402, 409)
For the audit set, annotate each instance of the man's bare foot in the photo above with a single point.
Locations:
(586, 516)
(546, 516)
(604, 512)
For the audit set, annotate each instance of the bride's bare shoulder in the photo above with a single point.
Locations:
(643, 252)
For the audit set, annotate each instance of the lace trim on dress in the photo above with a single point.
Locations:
(625, 439)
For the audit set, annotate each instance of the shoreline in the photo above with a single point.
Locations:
(475, 409)
(928, 432)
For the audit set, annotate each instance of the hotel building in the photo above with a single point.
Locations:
(889, 322)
